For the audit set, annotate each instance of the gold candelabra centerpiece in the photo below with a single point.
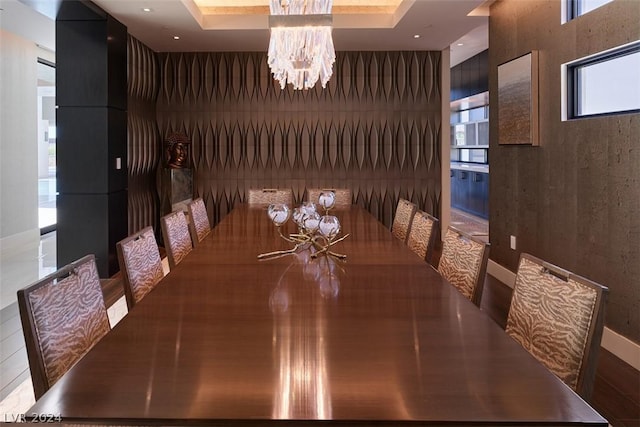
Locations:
(319, 231)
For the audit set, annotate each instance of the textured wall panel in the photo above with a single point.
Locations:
(143, 139)
(573, 201)
(374, 129)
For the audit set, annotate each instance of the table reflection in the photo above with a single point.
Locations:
(299, 339)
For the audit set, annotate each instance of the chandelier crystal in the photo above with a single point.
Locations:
(301, 47)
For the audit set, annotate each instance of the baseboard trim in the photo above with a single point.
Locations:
(501, 273)
(620, 346)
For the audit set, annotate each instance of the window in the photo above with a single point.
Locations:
(577, 8)
(606, 83)
(46, 146)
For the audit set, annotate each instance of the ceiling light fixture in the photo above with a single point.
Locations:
(416, 36)
(147, 9)
(176, 37)
(301, 46)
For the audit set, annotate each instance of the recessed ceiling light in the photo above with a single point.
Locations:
(416, 36)
(460, 44)
(147, 9)
(176, 37)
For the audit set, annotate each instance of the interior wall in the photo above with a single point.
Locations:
(144, 147)
(19, 232)
(375, 129)
(19, 149)
(574, 200)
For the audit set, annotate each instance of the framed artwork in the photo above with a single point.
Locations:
(518, 100)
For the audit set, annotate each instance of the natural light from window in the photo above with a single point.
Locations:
(608, 86)
(585, 6)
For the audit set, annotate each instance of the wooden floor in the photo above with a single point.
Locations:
(616, 393)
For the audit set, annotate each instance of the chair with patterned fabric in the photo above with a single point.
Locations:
(199, 225)
(140, 265)
(422, 233)
(268, 196)
(402, 220)
(558, 317)
(63, 316)
(177, 240)
(343, 195)
(464, 263)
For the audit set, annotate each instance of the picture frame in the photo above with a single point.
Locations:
(518, 101)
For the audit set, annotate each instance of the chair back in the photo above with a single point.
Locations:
(559, 318)
(422, 233)
(268, 196)
(343, 195)
(177, 240)
(140, 264)
(402, 220)
(464, 263)
(63, 316)
(199, 225)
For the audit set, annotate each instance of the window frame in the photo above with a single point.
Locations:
(54, 226)
(574, 83)
(574, 9)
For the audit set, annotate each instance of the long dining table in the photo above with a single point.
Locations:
(377, 339)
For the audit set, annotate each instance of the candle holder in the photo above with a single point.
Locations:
(321, 232)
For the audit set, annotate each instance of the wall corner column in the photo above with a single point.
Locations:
(91, 95)
(445, 84)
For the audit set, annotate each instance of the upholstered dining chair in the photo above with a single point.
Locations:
(140, 264)
(267, 196)
(464, 263)
(63, 316)
(422, 234)
(343, 195)
(558, 317)
(402, 219)
(199, 225)
(177, 240)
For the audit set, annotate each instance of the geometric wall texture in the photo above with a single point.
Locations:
(374, 129)
(144, 148)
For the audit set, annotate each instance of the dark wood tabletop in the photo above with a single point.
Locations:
(378, 339)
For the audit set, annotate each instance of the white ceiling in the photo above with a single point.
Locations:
(440, 24)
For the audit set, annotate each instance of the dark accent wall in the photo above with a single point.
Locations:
(375, 129)
(470, 77)
(144, 147)
(91, 81)
(574, 200)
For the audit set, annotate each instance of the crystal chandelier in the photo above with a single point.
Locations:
(301, 47)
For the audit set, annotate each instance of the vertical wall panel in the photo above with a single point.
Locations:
(143, 139)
